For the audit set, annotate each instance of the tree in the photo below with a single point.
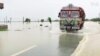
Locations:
(42, 20)
(49, 19)
(27, 20)
(95, 19)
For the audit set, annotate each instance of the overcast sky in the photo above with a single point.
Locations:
(38, 9)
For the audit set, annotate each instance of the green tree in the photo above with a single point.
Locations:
(27, 20)
(49, 19)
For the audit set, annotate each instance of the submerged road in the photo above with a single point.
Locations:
(34, 40)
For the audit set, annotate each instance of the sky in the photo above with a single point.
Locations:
(42, 9)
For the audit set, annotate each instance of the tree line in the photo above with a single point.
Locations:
(93, 19)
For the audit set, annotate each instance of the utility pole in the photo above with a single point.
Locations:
(23, 19)
(10, 19)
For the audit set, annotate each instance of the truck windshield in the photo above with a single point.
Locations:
(74, 14)
(64, 14)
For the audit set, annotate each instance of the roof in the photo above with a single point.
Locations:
(70, 7)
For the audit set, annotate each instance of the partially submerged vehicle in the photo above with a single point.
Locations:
(71, 18)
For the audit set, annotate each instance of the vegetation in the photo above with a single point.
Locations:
(87, 20)
(42, 20)
(27, 20)
(49, 19)
(3, 27)
(95, 19)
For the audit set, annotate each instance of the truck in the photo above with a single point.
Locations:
(71, 18)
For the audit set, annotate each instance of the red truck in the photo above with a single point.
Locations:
(71, 18)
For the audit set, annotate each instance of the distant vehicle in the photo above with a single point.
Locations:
(71, 18)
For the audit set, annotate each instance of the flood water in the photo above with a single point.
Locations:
(48, 39)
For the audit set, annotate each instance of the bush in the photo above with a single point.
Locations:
(27, 20)
(42, 20)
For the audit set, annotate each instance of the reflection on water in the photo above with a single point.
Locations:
(56, 45)
(68, 43)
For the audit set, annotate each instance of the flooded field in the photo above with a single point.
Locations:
(31, 39)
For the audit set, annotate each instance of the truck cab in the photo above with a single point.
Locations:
(71, 18)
